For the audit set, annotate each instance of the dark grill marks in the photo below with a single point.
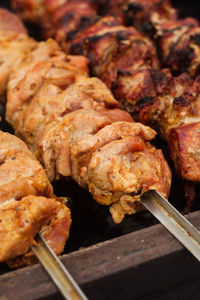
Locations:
(180, 101)
(124, 73)
(145, 101)
(180, 59)
(195, 38)
(134, 7)
(66, 18)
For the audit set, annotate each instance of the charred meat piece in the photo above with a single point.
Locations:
(179, 45)
(145, 15)
(142, 14)
(74, 126)
(61, 15)
(27, 204)
(70, 19)
(175, 112)
(119, 55)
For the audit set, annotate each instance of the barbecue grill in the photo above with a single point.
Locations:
(134, 260)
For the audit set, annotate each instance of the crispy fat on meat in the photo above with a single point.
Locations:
(27, 204)
(56, 118)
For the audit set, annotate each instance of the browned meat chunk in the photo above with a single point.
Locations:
(12, 36)
(27, 203)
(20, 222)
(179, 45)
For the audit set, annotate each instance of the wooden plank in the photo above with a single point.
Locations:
(128, 267)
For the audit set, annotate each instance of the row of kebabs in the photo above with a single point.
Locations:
(72, 124)
(126, 60)
(71, 121)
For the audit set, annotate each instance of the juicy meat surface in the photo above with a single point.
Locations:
(119, 55)
(55, 106)
(12, 36)
(27, 203)
(20, 222)
(184, 147)
(179, 45)
(175, 112)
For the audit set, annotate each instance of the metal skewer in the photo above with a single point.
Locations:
(177, 224)
(57, 271)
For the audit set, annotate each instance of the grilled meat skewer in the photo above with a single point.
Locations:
(126, 61)
(74, 126)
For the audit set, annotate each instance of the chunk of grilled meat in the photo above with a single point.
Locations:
(179, 45)
(142, 14)
(22, 45)
(27, 203)
(12, 36)
(53, 15)
(119, 55)
(32, 10)
(64, 15)
(175, 112)
(70, 19)
(74, 125)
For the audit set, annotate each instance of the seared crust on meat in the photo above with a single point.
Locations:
(179, 45)
(184, 142)
(142, 14)
(175, 112)
(119, 55)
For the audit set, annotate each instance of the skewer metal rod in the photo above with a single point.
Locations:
(57, 271)
(177, 224)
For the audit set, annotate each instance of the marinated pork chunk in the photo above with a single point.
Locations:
(12, 36)
(74, 126)
(27, 204)
(175, 112)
